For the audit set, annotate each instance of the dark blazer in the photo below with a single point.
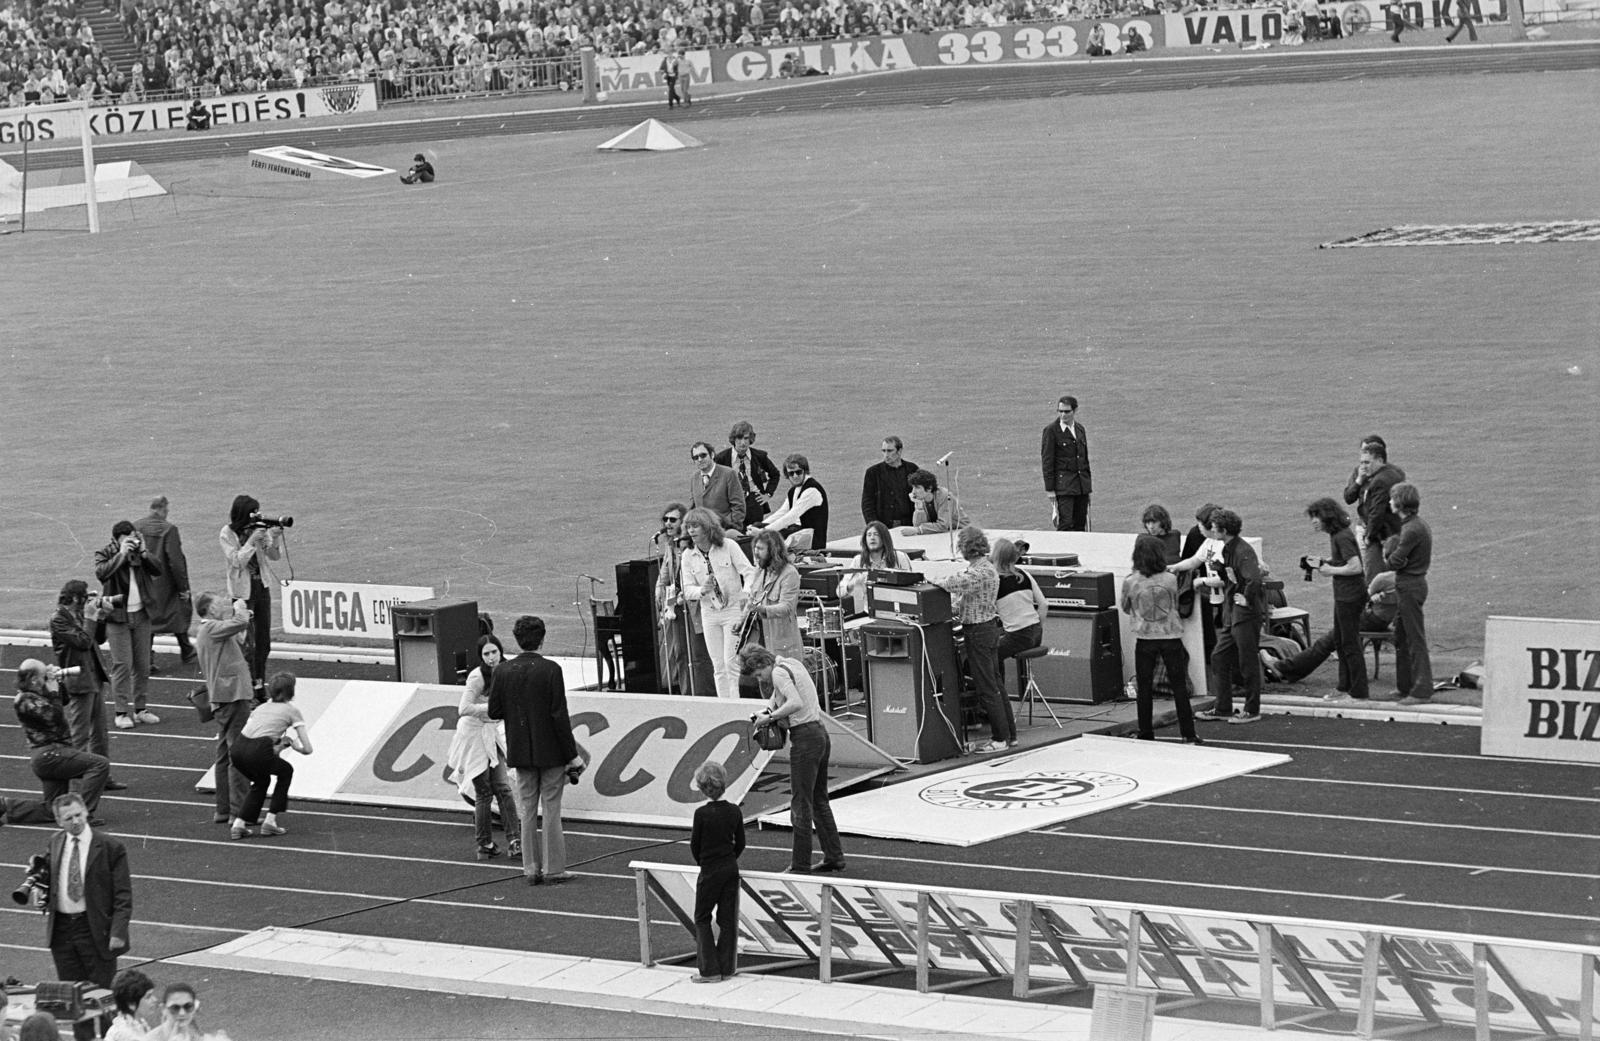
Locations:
(1371, 501)
(114, 570)
(530, 694)
(1065, 460)
(107, 891)
(879, 501)
(763, 478)
(168, 613)
(74, 646)
(724, 496)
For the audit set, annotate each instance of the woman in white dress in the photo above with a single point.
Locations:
(478, 757)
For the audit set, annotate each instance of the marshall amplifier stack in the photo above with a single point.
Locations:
(1084, 634)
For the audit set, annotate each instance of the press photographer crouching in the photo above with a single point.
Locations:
(59, 766)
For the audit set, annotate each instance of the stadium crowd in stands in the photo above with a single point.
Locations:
(49, 50)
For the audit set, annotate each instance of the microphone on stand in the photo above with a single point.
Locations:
(592, 578)
(659, 532)
(944, 460)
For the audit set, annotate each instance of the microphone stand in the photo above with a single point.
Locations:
(663, 655)
(954, 476)
(599, 656)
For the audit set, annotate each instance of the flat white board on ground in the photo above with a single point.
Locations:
(985, 799)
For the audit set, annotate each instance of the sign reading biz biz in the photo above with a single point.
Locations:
(342, 609)
(232, 110)
(1541, 697)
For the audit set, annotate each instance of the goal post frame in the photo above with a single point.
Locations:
(25, 125)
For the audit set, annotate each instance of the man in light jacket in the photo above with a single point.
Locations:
(220, 645)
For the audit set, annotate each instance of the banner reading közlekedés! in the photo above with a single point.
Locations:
(1541, 697)
(232, 110)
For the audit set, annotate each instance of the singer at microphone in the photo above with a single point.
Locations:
(934, 509)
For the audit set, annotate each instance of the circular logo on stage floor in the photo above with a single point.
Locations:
(1042, 788)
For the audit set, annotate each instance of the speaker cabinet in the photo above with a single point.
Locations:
(642, 667)
(913, 690)
(435, 641)
(1084, 665)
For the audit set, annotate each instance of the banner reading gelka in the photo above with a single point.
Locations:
(1017, 793)
(1541, 697)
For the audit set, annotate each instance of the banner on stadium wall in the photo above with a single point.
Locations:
(1004, 45)
(643, 71)
(231, 110)
(1422, 977)
(345, 609)
(1541, 697)
(1265, 25)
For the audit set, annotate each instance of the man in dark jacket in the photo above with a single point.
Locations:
(529, 692)
(83, 693)
(886, 487)
(757, 474)
(1244, 608)
(125, 570)
(1064, 458)
(91, 900)
(44, 727)
(1368, 491)
(169, 609)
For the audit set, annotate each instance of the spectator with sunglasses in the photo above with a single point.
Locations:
(805, 508)
(716, 488)
(682, 630)
(179, 1008)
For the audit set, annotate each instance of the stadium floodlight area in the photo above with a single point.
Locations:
(23, 191)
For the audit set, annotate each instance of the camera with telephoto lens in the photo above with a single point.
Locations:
(258, 521)
(96, 607)
(1309, 565)
(35, 887)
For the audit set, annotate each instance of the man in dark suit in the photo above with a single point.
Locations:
(716, 488)
(756, 473)
(530, 694)
(1064, 456)
(886, 487)
(91, 897)
(170, 610)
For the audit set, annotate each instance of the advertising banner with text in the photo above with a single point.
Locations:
(231, 110)
(385, 744)
(643, 71)
(1541, 697)
(345, 609)
(1265, 25)
(1005, 45)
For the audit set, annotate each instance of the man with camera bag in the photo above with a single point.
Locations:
(529, 692)
(126, 571)
(90, 901)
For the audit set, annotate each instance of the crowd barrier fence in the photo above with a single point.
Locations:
(1358, 979)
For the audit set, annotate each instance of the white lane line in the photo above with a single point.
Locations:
(135, 732)
(1420, 787)
(1474, 869)
(1396, 751)
(184, 926)
(1369, 820)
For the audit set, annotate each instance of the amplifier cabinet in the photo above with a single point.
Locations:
(922, 603)
(913, 690)
(1080, 590)
(1084, 665)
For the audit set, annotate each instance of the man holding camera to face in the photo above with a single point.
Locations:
(44, 726)
(126, 572)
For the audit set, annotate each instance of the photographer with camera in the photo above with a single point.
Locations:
(529, 692)
(1343, 564)
(85, 680)
(44, 726)
(126, 572)
(245, 540)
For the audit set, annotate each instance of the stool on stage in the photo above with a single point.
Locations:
(1031, 691)
(1375, 640)
(1295, 616)
(607, 643)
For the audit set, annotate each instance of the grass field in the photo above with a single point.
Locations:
(489, 385)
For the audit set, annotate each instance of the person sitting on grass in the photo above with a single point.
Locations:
(421, 170)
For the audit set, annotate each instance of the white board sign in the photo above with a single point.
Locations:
(345, 609)
(1541, 697)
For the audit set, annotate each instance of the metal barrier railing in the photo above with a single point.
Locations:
(1365, 980)
(445, 82)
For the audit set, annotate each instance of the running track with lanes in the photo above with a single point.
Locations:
(1392, 824)
(928, 87)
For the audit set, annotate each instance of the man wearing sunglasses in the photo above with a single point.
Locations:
(804, 509)
(683, 641)
(715, 487)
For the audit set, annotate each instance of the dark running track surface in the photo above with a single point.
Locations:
(928, 87)
(1383, 823)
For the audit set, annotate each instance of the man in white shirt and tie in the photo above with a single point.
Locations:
(757, 474)
(91, 898)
